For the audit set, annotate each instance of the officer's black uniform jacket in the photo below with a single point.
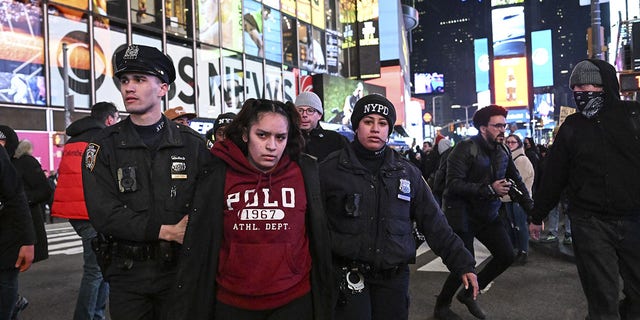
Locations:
(165, 183)
(320, 142)
(472, 166)
(198, 264)
(597, 160)
(380, 233)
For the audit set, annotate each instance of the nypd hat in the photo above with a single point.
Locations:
(144, 59)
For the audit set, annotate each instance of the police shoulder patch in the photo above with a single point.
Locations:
(90, 156)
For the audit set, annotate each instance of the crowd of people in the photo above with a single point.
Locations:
(273, 217)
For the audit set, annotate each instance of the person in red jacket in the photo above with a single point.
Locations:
(69, 203)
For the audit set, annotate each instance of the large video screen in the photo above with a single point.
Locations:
(428, 83)
(21, 59)
(481, 55)
(507, 25)
(510, 79)
(339, 96)
(543, 108)
(542, 58)
(495, 3)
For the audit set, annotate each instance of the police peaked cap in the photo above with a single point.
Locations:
(144, 59)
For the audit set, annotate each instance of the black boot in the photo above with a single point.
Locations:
(466, 298)
(445, 313)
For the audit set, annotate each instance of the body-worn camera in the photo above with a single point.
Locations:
(352, 205)
(127, 179)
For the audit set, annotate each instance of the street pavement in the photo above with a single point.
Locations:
(546, 288)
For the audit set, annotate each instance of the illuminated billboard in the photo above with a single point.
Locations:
(272, 34)
(368, 38)
(253, 28)
(428, 83)
(508, 32)
(495, 3)
(481, 55)
(542, 58)
(510, 79)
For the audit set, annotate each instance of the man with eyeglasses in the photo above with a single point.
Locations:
(318, 141)
(479, 171)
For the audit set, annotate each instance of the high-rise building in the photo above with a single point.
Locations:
(443, 43)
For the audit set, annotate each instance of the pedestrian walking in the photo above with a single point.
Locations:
(601, 187)
(69, 203)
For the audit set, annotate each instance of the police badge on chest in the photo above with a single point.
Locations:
(405, 190)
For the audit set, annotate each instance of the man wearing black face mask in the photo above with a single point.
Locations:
(602, 185)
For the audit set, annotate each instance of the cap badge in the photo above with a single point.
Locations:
(131, 53)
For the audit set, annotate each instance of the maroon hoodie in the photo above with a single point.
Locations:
(264, 257)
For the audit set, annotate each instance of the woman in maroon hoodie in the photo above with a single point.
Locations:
(257, 243)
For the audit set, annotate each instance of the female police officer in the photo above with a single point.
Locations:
(372, 195)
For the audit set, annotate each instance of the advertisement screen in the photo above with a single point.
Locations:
(430, 82)
(303, 9)
(333, 52)
(273, 82)
(288, 7)
(508, 31)
(108, 42)
(21, 60)
(210, 84)
(289, 40)
(253, 28)
(542, 58)
(339, 96)
(369, 38)
(305, 46)
(481, 55)
(221, 19)
(74, 35)
(181, 92)
(543, 108)
(272, 3)
(272, 34)
(253, 79)
(318, 13)
(510, 79)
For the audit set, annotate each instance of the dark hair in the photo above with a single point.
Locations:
(102, 110)
(515, 136)
(250, 113)
(482, 116)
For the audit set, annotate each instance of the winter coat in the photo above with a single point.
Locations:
(68, 199)
(371, 215)
(473, 165)
(595, 159)
(16, 227)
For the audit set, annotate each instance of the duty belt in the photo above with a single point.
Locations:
(136, 251)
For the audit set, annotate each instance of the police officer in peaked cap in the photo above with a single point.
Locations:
(138, 178)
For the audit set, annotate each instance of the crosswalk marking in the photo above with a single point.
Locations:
(63, 240)
(436, 265)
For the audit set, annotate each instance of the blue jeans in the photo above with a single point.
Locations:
(554, 218)
(515, 211)
(605, 251)
(8, 292)
(92, 297)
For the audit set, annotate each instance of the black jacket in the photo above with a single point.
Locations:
(597, 159)
(198, 265)
(130, 193)
(377, 228)
(472, 166)
(84, 129)
(38, 192)
(320, 142)
(16, 228)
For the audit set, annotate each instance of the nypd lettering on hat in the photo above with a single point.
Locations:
(376, 108)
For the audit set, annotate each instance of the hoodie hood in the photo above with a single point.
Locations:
(609, 80)
(11, 139)
(230, 153)
(83, 125)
